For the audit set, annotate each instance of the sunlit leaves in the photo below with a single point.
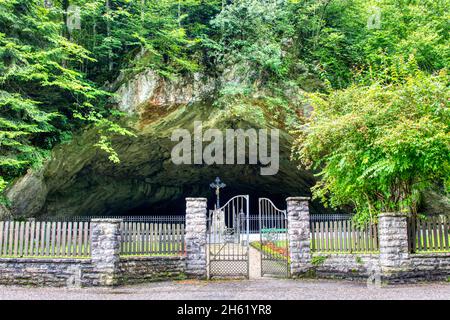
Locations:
(375, 147)
(42, 87)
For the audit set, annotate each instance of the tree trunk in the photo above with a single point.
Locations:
(179, 13)
(65, 5)
(65, 32)
(108, 32)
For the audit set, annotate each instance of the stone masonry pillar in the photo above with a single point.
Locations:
(105, 249)
(196, 238)
(299, 235)
(393, 238)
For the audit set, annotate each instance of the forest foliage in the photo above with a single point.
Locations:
(374, 71)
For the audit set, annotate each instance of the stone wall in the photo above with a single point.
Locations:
(105, 267)
(429, 266)
(426, 266)
(146, 269)
(393, 264)
(48, 272)
(345, 266)
(84, 273)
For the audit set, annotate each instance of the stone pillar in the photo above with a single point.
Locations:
(299, 235)
(105, 249)
(196, 238)
(393, 238)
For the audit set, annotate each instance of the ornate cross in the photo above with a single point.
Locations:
(217, 184)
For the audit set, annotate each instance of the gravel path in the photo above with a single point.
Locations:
(249, 289)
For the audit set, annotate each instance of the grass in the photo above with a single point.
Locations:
(257, 245)
(283, 244)
(127, 250)
(335, 245)
(44, 257)
(151, 255)
(431, 243)
(432, 251)
(345, 252)
(70, 250)
(318, 260)
(151, 249)
(274, 230)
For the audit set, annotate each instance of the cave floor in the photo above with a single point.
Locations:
(270, 289)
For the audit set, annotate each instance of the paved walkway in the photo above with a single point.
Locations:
(248, 289)
(254, 258)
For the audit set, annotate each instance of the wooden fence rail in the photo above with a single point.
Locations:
(44, 239)
(152, 238)
(72, 239)
(430, 234)
(343, 236)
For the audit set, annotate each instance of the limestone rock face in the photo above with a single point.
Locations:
(80, 180)
(147, 88)
(28, 193)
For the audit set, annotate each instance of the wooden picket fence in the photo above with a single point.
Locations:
(44, 239)
(152, 238)
(431, 234)
(67, 239)
(343, 236)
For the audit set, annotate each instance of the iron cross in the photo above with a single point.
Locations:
(217, 184)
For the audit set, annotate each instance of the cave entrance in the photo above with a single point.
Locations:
(177, 205)
(162, 191)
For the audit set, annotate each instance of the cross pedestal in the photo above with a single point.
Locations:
(218, 222)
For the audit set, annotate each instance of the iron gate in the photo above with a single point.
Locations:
(274, 246)
(228, 239)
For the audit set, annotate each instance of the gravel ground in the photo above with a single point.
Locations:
(270, 289)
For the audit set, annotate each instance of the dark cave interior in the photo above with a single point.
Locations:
(178, 206)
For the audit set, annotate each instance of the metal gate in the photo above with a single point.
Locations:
(228, 239)
(274, 246)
